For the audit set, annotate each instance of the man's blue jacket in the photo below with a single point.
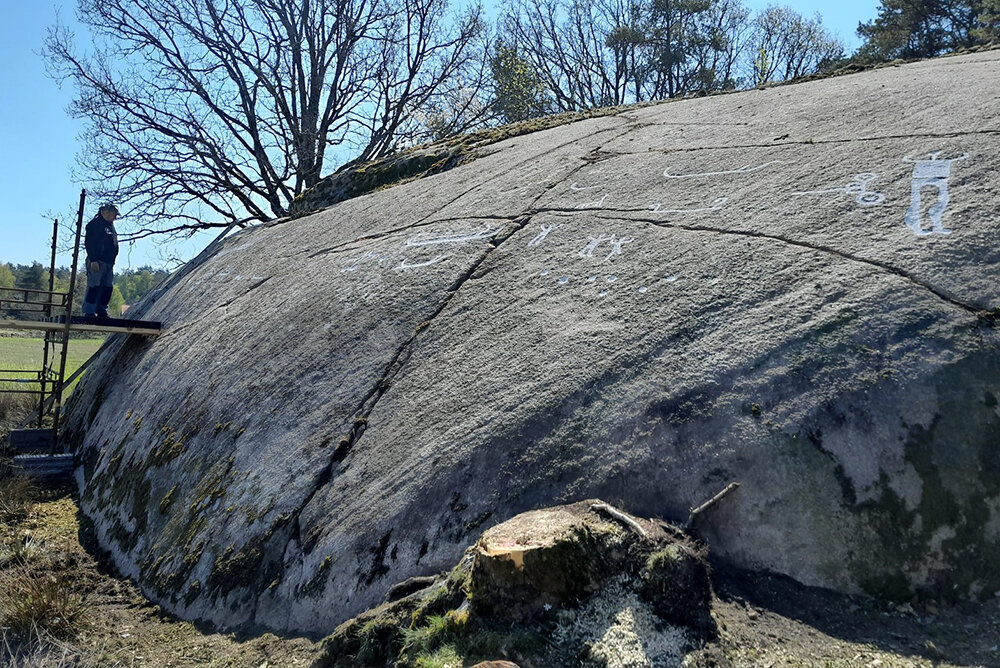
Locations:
(101, 240)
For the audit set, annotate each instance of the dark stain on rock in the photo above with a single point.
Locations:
(681, 409)
(378, 567)
(456, 504)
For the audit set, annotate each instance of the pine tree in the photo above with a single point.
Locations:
(921, 28)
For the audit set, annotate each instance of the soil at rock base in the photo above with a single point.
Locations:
(120, 627)
(764, 620)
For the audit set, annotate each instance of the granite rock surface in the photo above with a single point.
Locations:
(794, 288)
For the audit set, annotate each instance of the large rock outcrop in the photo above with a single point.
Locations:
(795, 288)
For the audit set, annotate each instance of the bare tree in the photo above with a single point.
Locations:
(229, 109)
(610, 52)
(785, 45)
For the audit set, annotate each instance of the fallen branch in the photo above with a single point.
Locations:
(695, 512)
(620, 516)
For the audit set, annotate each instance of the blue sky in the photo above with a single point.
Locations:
(38, 139)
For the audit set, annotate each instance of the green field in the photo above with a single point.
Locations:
(25, 353)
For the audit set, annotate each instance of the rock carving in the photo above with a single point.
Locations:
(540, 237)
(616, 246)
(279, 463)
(595, 242)
(354, 264)
(414, 265)
(597, 203)
(858, 187)
(929, 172)
(588, 250)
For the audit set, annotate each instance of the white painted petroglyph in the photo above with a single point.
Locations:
(354, 264)
(612, 279)
(643, 289)
(250, 243)
(597, 203)
(415, 265)
(717, 204)
(746, 169)
(554, 177)
(563, 280)
(929, 172)
(227, 273)
(616, 246)
(858, 187)
(540, 237)
(595, 242)
(578, 187)
(486, 233)
(588, 250)
(670, 279)
(543, 272)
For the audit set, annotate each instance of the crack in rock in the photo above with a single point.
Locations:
(978, 311)
(817, 142)
(403, 352)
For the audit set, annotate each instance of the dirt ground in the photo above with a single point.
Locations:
(119, 626)
(765, 620)
(772, 621)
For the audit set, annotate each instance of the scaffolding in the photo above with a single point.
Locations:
(51, 311)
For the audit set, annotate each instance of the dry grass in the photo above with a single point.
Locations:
(38, 605)
(37, 650)
(91, 617)
(17, 493)
(13, 409)
(33, 600)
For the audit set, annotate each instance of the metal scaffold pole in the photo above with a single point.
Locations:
(57, 408)
(45, 375)
(37, 451)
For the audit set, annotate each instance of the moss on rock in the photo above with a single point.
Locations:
(676, 583)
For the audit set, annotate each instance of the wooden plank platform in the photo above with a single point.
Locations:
(78, 324)
(45, 467)
(31, 441)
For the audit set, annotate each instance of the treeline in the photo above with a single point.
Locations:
(566, 55)
(130, 285)
(925, 28)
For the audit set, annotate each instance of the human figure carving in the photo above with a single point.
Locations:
(540, 237)
(929, 172)
(616, 245)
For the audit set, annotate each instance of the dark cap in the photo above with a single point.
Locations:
(108, 207)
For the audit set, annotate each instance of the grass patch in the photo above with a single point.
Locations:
(16, 496)
(31, 600)
(444, 657)
(25, 354)
(14, 408)
(36, 590)
(22, 356)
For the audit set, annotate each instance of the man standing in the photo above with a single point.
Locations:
(102, 249)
